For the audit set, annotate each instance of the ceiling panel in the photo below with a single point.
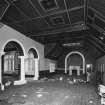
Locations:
(58, 19)
(17, 27)
(92, 50)
(89, 20)
(65, 37)
(59, 7)
(41, 23)
(74, 3)
(99, 22)
(29, 26)
(90, 16)
(14, 13)
(3, 7)
(91, 13)
(27, 8)
(98, 5)
(77, 15)
(7, 20)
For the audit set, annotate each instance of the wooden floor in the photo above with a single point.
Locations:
(50, 92)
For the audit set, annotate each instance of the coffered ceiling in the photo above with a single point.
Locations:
(58, 21)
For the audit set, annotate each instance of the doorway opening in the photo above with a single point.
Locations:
(78, 64)
(11, 61)
(30, 63)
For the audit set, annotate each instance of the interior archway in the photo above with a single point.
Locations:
(11, 61)
(75, 52)
(30, 63)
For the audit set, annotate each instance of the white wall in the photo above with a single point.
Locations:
(9, 34)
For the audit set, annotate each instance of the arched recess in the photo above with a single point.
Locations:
(14, 40)
(30, 64)
(34, 52)
(11, 62)
(75, 52)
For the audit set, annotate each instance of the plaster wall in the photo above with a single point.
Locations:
(8, 34)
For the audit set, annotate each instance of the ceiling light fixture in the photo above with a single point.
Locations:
(72, 44)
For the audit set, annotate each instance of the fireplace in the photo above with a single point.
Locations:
(73, 70)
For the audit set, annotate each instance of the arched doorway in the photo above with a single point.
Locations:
(77, 67)
(30, 63)
(11, 60)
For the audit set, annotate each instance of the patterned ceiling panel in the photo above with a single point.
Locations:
(48, 5)
(77, 15)
(56, 6)
(58, 19)
(74, 3)
(14, 13)
(27, 8)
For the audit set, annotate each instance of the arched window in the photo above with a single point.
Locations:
(30, 62)
(11, 61)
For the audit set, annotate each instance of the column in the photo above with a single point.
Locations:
(103, 78)
(36, 72)
(22, 72)
(78, 70)
(2, 86)
(70, 70)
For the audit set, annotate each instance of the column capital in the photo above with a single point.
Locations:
(2, 53)
(36, 75)
(23, 56)
(36, 59)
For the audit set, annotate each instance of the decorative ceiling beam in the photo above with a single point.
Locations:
(4, 10)
(76, 27)
(95, 43)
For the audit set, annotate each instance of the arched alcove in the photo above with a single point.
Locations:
(30, 62)
(11, 60)
(13, 46)
(33, 52)
(16, 41)
(75, 52)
